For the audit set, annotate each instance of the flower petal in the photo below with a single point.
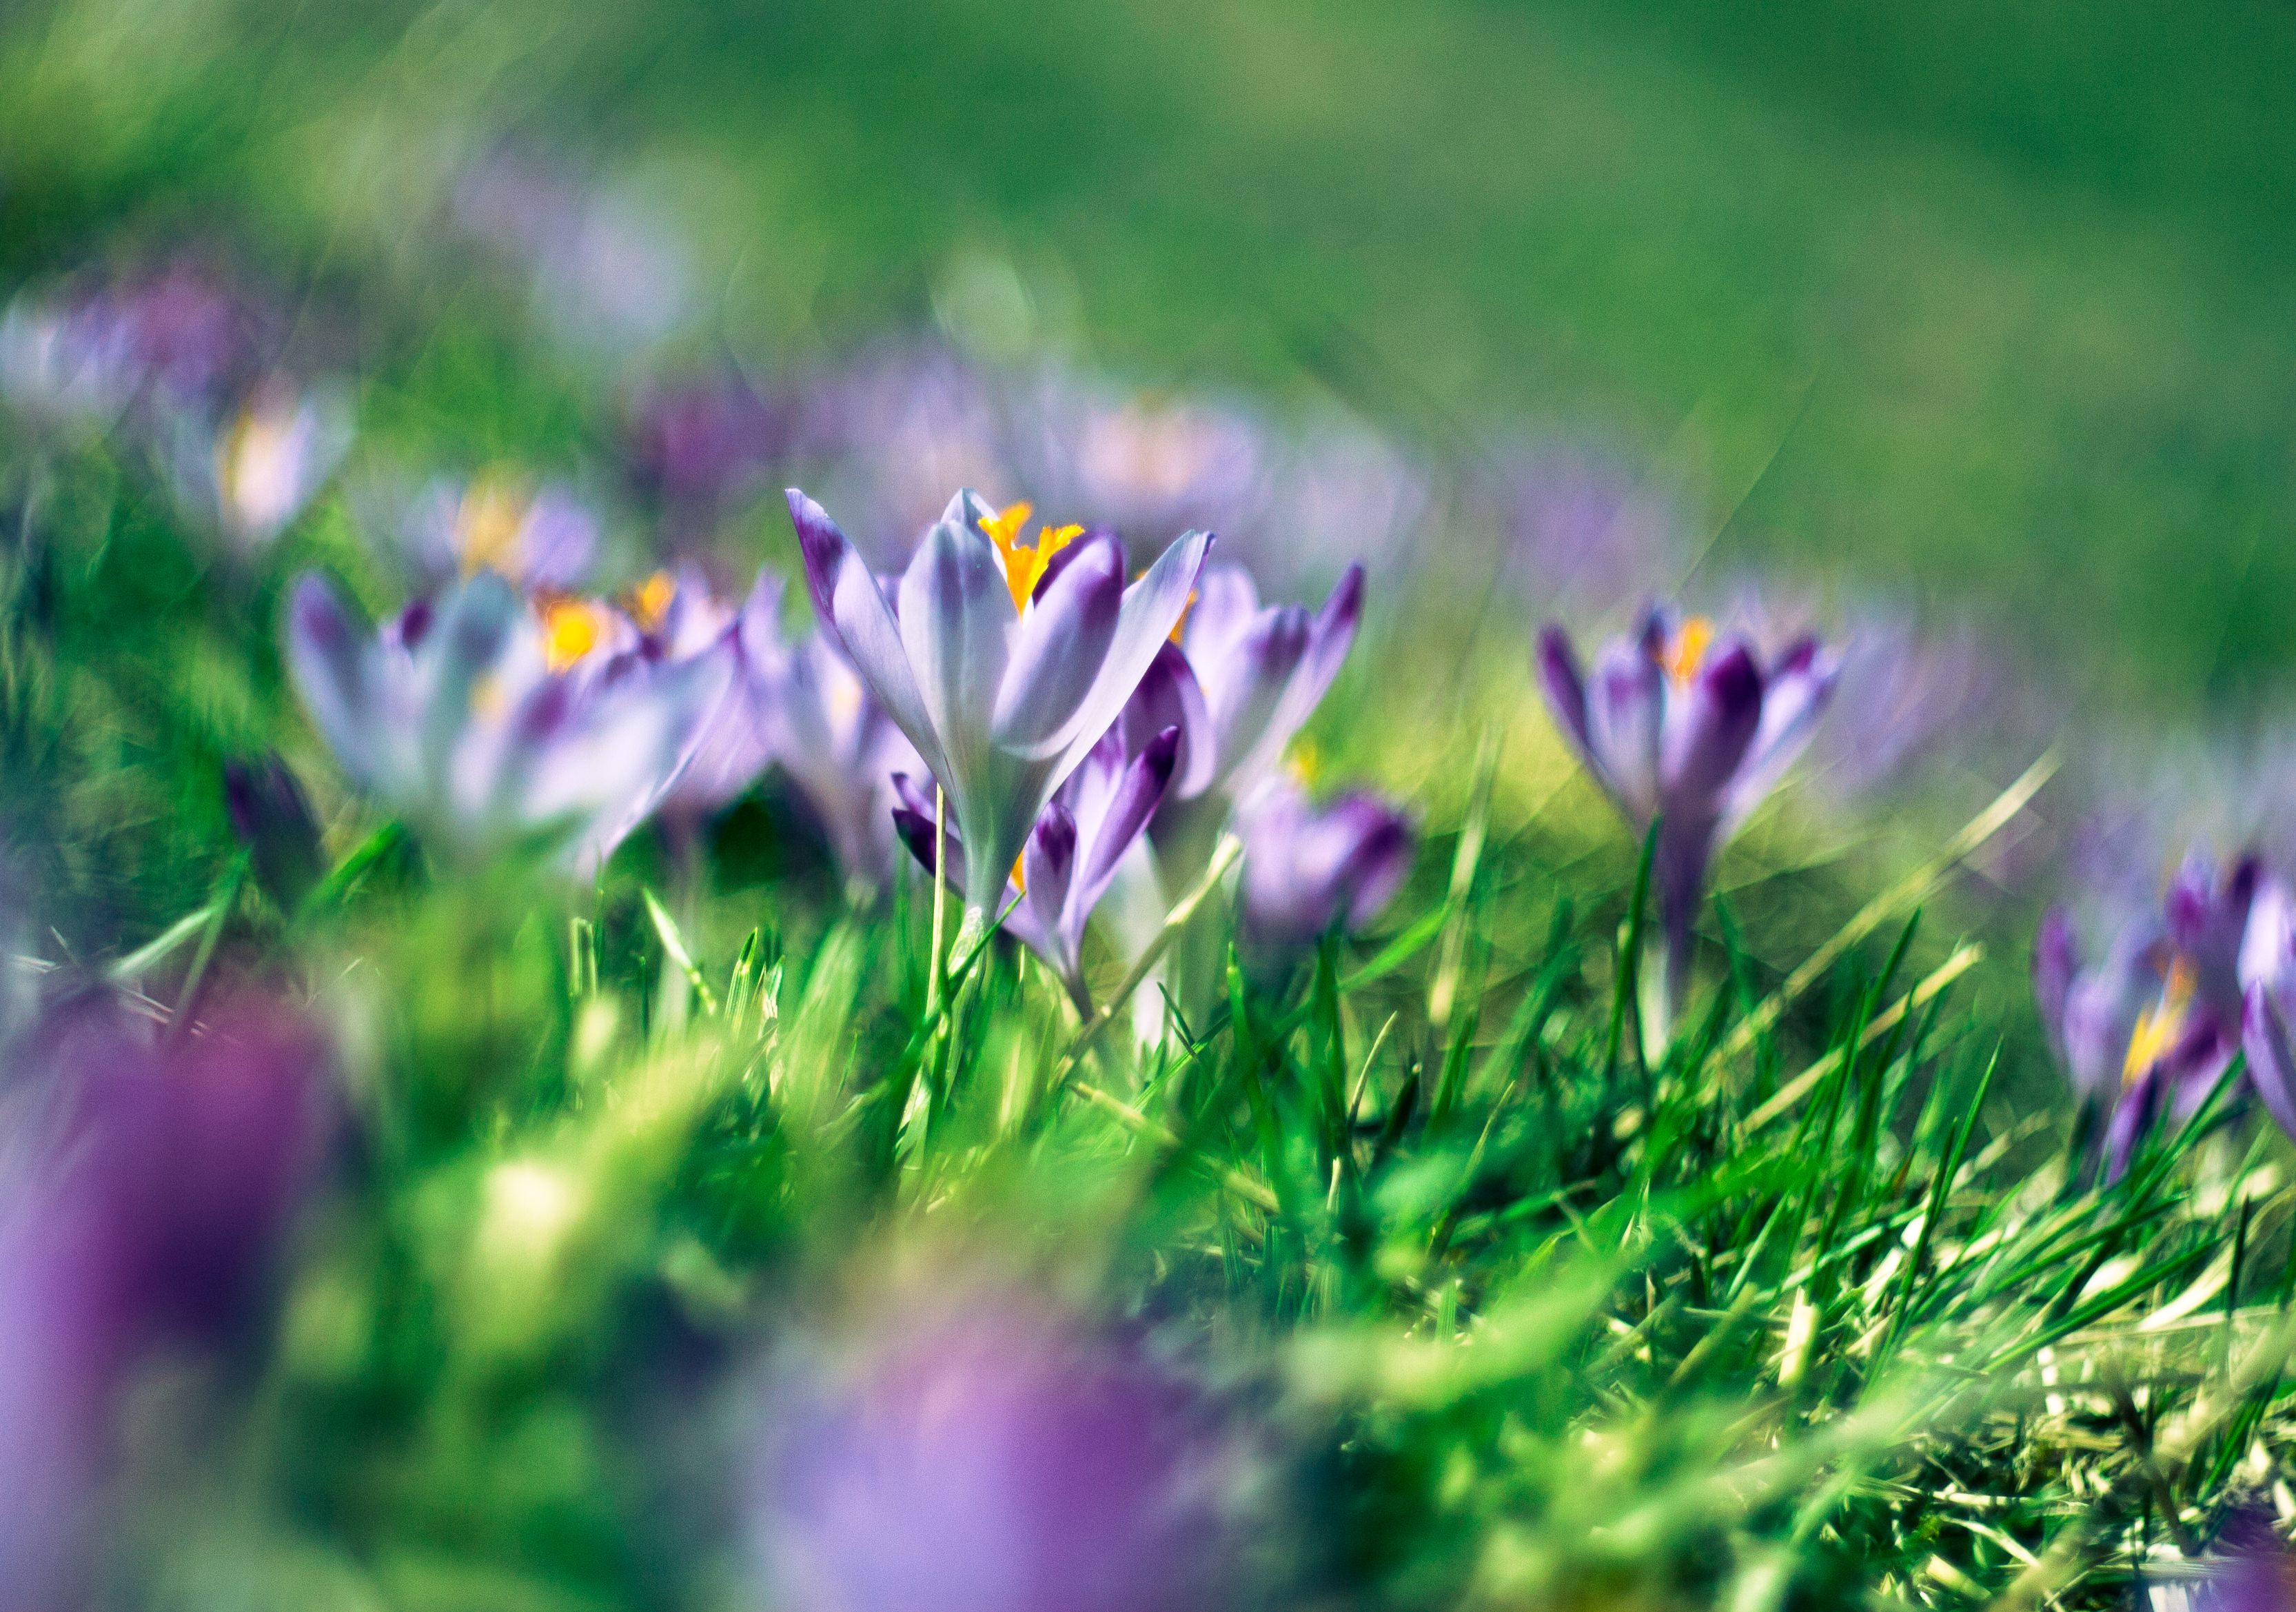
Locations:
(1626, 712)
(1151, 607)
(1708, 732)
(1169, 696)
(2271, 1064)
(328, 655)
(957, 620)
(1049, 862)
(853, 610)
(2056, 959)
(1565, 688)
(1066, 628)
(1140, 789)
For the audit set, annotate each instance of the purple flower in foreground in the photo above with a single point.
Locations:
(1073, 851)
(2267, 983)
(1307, 869)
(995, 1457)
(2249, 1569)
(485, 721)
(2151, 1027)
(1239, 685)
(1004, 664)
(148, 1195)
(1676, 727)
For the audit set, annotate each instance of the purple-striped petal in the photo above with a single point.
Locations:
(1330, 637)
(1626, 714)
(1565, 688)
(1049, 864)
(956, 618)
(2056, 960)
(327, 651)
(1169, 696)
(1250, 688)
(1152, 608)
(853, 609)
(2271, 1064)
(1070, 622)
(1138, 792)
(1707, 735)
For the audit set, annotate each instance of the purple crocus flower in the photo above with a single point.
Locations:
(485, 720)
(65, 362)
(1585, 535)
(2267, 983)
(700, 445)
(1678, 728)
(1239, 685)
(1145, 462)
(541, 538)
(1073, 851)
(273, 819)
(1004, 664)
(2151, 1027)
(1308, 869)
(2249, 1568)
(992, 1456)
(148, 1194)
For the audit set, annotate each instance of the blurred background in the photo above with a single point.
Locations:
(1980, 303)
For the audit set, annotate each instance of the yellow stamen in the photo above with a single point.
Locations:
(1021, 874)
(651, 603)
(1305, 762)
(1181, 625)
(1685, 652)
(487, 525)
(1024, 568)
(571, 630)
(2158, 1025)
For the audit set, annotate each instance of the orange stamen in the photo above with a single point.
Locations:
(651, 603)
(2158, 1025)
(1181, 625)
(1024, 568)
(1685, 652)
(571, 630)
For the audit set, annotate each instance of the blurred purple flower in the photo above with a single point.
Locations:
(65, 362)
(2267, 985)
(1340, 494)
(541, 538)
(484, 720)
(1072, 852)
(148, 1201)
(1143, 463)
(1004, 664)
(1239, 686)
(894, 432)
(1587, 537)
(1307, 869)
(991, 1457)
(2249, 1568)
(2152, 1026)
(273, 819)
(1677, 728)
(701, 445)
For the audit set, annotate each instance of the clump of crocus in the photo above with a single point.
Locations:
(252, 471)
(1310, 870)
(1690, 732)
(1144, 462)
(1239, 684)
(2151, 1026)
(1073, 851)
(486, 720)
(146, 1201)
(1005, 662)
(980, 1453)
(702, 445)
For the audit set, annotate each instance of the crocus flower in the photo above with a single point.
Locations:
(273, 819)
(1679, 728)
(972, 1457)
(541, 538)
(255, 475)
(1144, 463)
(484, 720)
(702, 444)
(2249, 1568)
(1308, 869)
(1004, 664)
(2151, 1027)
(1238, 685)
(1585, 536)
(149, 1192)
(1073, 851)
(2267, 983)
(65, 362)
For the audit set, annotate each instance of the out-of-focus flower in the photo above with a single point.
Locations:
(1239, 685)
(1587, 537)
(65, 363)
(2249, 1568)
(144, 1210)
(1144, 463)
(972, 1455)
(802, 706)
(274, 820)
(609, 270)
(894, 432)
(2268, 985)
(704, 444)
(2152, 1025)
(255, 475)
(484, 720)
(1004, 664)
(1073, 851)
(1679, 728)
(1342, 494)
(541, 538)
(1308, 869)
